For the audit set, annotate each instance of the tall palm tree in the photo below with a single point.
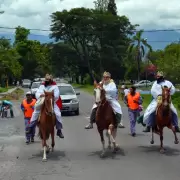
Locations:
(138, 45)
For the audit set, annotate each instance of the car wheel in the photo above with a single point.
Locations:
(77, 112)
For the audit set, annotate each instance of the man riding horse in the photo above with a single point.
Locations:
(48, 85)
(156, 92)
(111, 93)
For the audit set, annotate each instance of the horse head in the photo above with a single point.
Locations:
(166, 96)
(49, 101)
(99, 92)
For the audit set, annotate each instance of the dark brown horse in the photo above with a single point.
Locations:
(105, 119)
(47, 123)
(164, 117)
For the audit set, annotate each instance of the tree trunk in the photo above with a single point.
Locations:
(138, 63)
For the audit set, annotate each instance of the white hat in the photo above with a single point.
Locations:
(28, 93)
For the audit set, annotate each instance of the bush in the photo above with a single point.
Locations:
(87, 79)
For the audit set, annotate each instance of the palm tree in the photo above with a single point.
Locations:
(138, 45)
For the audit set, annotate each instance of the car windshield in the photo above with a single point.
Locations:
(35, 85)
(66, 90)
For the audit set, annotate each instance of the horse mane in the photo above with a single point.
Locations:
(47, 123)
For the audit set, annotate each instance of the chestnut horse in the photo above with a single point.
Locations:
(163, 117)
(105, 119)
(47, 122)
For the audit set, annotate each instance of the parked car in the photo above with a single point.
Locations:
(34, 87)
(70, 102)
(26, 83)
(143, 83)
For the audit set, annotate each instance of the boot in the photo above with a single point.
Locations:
(121, 126)
(148, 129)
(27, 141)
(32, 139)
(60, 134)
(89, 126)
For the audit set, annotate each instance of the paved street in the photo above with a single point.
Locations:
(77, 156)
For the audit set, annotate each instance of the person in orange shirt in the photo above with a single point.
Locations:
(27, 106)
(133, 101)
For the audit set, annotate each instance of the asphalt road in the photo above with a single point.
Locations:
(77, 156)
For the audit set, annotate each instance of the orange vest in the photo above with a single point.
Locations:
(130, 100)
(28, 109)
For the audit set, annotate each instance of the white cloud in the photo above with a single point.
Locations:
(36, 13)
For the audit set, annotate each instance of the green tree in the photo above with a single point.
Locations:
(112, 8)
(139, 43)
(89, 32)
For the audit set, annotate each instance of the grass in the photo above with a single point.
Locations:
(87, 88)
(15, 95)
(2, 90)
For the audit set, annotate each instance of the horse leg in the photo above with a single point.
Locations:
(161, 139)
(109, 140)
(176, 141)
(53, 141)
(44, 145)
(103, 143)
(152, 137)
(112, 135)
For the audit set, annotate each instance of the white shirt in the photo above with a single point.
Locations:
(126, 91)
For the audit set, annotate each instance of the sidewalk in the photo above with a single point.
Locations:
(8, 92)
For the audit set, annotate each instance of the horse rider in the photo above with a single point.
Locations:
(156, 92)
(27, 106)
(133, 100)
(111, 93)
(10, 106)
(48, 85)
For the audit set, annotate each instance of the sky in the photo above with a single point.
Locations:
(35, 13)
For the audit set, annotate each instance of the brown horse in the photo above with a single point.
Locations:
(47, 122)
(105, 119)
(164, 117)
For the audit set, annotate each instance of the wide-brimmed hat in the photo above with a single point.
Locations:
(106, 74)
(160, 73)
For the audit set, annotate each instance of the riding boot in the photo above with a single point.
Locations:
(60, 134)
(89, 126)
(92, 119)
(177, 129)
(148, 129)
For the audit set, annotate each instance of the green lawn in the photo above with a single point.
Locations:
(2, 90)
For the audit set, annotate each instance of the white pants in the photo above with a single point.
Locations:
(57, 112)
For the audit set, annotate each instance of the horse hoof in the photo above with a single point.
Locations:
(176, 142)
(109, 147)
(162, 151)
(102, 155)
(117, 148)
(44, 160)
(152, 142)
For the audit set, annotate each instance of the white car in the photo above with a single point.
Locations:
(26, 83)
(70, 102)
(143, 83)
(34, 87)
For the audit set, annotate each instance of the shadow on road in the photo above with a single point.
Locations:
(53, 156)
(109, 154)
(155, 150)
